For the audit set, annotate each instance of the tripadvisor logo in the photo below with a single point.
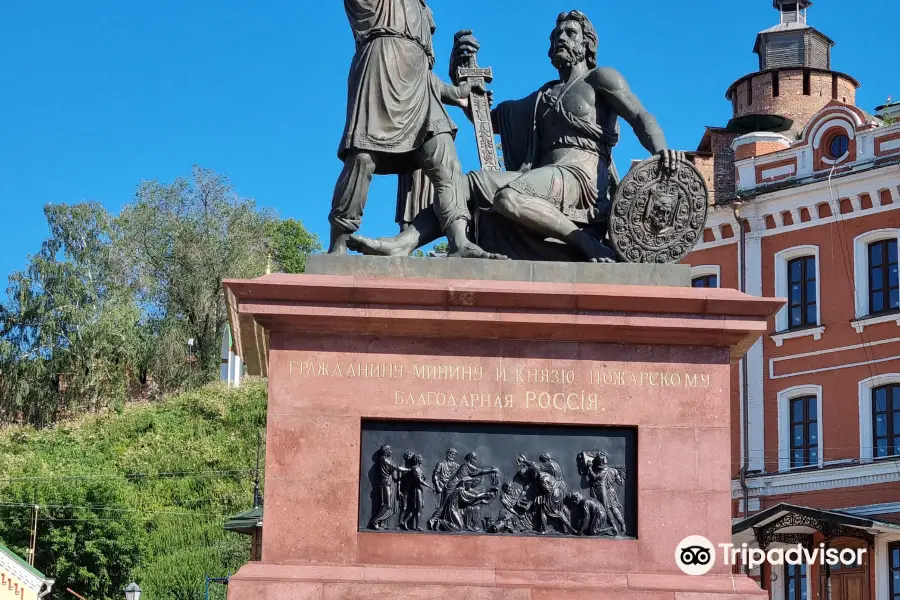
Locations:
(696, 555)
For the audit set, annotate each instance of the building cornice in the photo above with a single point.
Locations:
(776, 484)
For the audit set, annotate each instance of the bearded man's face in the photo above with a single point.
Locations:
(567, 45)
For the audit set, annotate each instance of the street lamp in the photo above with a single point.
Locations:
(133, 592)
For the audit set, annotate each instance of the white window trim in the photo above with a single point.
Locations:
(815, 332)
(860, 324)
(866, 443)
(781, 291)
(784, 423)
(861, 277)
(706, 270)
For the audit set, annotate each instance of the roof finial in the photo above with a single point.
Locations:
(792, 11)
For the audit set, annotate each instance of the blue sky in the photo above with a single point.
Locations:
(97, 96)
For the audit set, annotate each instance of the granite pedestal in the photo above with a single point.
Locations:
(343, 352)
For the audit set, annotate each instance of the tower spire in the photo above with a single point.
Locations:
(792, 11)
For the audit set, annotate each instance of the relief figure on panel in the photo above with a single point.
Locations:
(463, 499)
(388, 474)
(604, 481)
(588, 516)
(546, 479)
(414, 483)
(442, 473)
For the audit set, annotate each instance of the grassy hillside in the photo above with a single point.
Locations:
(140, 494)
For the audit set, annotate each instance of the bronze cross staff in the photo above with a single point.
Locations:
(481, 111)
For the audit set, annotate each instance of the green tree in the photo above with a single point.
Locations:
(69, 325)
(139, 495)
(181, 240)
(93, 551)
(291, 243)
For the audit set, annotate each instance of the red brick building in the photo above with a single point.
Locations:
(807, 207)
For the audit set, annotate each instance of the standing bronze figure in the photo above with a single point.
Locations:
(415, 495)
(442, 473)
(396, 121)
(387, 472)
(605, 480)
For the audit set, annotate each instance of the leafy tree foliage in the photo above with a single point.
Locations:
(182, 240)
(141, 495)
(69, 327)
(291, 244)
(100, 316)
(104, 311)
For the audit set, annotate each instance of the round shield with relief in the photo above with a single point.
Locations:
(657, 218)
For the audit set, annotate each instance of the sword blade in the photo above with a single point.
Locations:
(484, 130)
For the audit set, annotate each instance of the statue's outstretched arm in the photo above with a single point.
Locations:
(610, 84)
(458, 95)
(448, 93)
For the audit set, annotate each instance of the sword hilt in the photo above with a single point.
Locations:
(484, 73)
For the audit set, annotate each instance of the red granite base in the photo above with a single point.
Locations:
(657, 359)
(298, 582)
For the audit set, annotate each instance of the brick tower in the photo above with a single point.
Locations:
(772, 105)
(795, 79)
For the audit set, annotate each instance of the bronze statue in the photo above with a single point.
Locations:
(388, 473)
(546, 477)
(442, 473)
(396, 121)
(454, 512)
(415, 495)
(590, 517)
(554, 201)
(403, 492)
(535, 501)
(604, 479)
(514, 517)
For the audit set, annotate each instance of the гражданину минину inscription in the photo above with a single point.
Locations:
(497, 479)
(421, 385)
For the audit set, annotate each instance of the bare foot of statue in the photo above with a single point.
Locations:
(471, 250)
(594, 250)
(459, 246)
(378, 246)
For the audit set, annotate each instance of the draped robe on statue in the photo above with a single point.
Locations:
(394, 101)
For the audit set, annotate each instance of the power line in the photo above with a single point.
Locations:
(109, 508)
(851, 279)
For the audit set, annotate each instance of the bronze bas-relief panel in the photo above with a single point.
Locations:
(496, 479)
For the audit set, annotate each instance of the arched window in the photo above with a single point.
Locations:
(879, 416)
(884, 287)
(886, 420)
(875, 266)
(797, 279)
(800, 427)
(705, 276)
(802, 292)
